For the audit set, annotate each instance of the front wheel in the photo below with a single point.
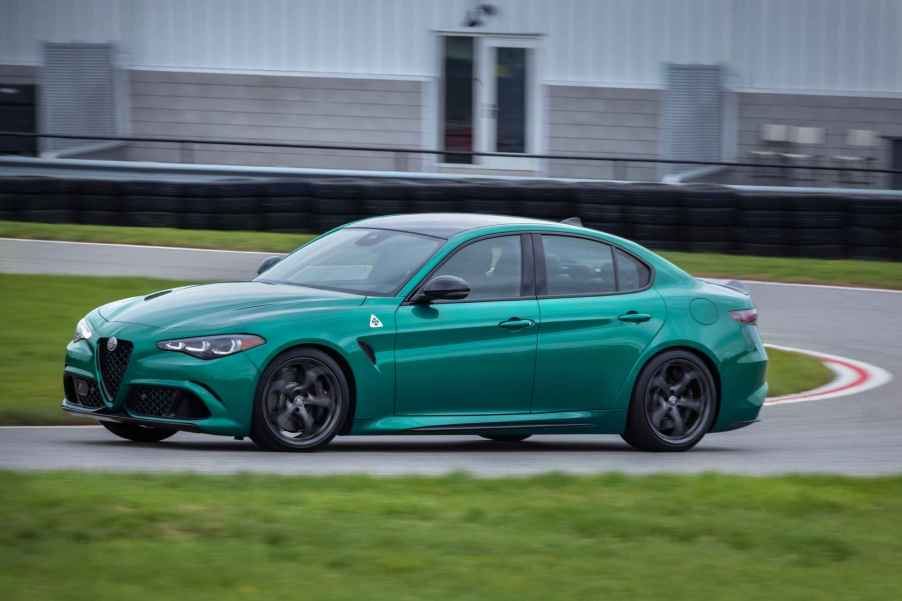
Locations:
(673, 404)
(302, 401)
(138, 433)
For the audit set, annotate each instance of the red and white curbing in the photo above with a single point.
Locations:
(852, 377)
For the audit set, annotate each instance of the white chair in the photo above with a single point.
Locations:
(806, 142)
(862, 144)
(774, 141)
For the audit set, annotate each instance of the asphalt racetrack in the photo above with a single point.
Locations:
(858, 434)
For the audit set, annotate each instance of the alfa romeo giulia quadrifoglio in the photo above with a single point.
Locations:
(499, 327)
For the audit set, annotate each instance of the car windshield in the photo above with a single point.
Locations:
(359, 260)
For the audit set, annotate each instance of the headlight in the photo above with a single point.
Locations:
(82, 331)
(211, 347)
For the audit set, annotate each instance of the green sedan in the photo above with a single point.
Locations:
(499, 327)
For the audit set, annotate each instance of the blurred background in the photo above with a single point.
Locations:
(811, 89)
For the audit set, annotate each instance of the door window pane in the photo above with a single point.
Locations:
(577, 266)
(492, 268)
(458, 97)
(632, 274)
(510, 81)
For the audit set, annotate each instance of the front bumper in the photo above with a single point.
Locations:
(221, 390)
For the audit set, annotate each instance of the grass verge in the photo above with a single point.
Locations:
(40, 314)
(455, 537)
(868, 274)
(42, 311)
(158, 236)
(874, 274)
(789, 372)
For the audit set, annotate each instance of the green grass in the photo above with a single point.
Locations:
(73, 536)
(875, 274)
(868, 274)
(159, 236)
(789, 372)
(41, 312)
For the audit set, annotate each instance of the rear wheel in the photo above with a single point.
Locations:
(506, 437)
(138, 433)
(673, 404)
(302, 401)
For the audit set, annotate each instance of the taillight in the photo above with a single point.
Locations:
(746, 316)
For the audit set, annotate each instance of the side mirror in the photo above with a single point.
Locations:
(443, 287)
(267, 264)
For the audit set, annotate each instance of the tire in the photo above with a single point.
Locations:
(506, 437)
(653, 421)
(323, 409)
(138, 433)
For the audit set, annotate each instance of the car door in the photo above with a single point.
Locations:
(598, 313)
(476, 355)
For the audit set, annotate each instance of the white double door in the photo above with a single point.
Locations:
(507, 108)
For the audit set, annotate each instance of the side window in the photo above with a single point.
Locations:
(631, 273)
(492, 267)
(578, 266)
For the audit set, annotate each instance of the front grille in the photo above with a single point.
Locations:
(165, 401)
(113, 364)
(82, 392)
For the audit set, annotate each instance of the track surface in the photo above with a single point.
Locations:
(860, 434)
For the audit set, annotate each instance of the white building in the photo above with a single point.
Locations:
(535, 76)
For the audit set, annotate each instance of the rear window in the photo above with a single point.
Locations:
(632, 274)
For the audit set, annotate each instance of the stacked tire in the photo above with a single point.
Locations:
(152, 204)
(97, 202)
(875, 228)
(604, 206)
(41, 199)
(711, 214)
(287, 207)
(765, 224)
(657, 217)
(818, 225)
(490, 197)
(336, 201)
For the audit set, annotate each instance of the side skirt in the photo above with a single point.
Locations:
(565, 422)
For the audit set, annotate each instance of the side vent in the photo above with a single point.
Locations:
(368, 350)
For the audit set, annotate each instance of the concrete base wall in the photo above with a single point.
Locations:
(330, 111)
(836, 114)
(618, 122)
(18, 74)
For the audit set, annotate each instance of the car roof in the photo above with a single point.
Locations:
(445, 225)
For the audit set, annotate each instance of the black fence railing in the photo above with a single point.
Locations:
(618, 162)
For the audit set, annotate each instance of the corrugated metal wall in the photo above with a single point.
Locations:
(834, 46)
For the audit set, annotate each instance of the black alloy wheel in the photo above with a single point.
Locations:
(673, 403)
(301, 403)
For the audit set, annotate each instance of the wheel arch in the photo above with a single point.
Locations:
(703, 354)
(346, 369)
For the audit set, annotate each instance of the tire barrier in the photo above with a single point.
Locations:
(702, 217)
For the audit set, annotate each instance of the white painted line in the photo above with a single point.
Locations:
(852, 377)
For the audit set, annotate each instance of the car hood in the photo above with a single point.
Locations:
(212, 305)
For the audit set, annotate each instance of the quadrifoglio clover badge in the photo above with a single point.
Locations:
(375, 322)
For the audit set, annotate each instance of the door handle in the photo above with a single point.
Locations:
(515, 323)
(633, 317)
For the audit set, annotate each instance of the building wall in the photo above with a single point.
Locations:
(837, 46)
(604, 122)
(836, 114)
(308, 110)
